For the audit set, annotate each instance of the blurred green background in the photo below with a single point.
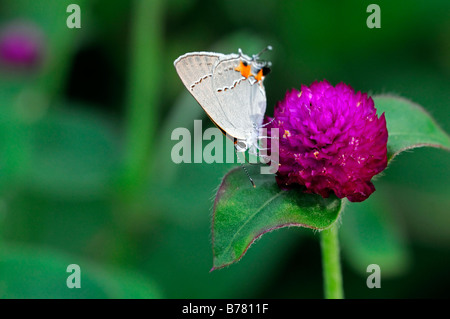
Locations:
(85, 170)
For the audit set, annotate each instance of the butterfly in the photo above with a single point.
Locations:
(230, 89)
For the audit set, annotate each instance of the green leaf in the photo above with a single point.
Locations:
(66, 224)
(72, 152)
(424, 211)
(409, 125)
(33, 272)
(371, 234)
(242, 213)
(184, 257)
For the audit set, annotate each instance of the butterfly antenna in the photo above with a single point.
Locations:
(245, 170)
(267, 48)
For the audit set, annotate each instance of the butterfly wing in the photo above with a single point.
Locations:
(244, 97)
(196, 72)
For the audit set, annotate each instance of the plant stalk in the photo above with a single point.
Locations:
(142, 113)
(143, 91)
(331, 263)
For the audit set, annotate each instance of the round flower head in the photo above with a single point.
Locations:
(21, 45)
(331, 140)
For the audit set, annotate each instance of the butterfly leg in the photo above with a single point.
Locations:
(243, 167)
(264, 125)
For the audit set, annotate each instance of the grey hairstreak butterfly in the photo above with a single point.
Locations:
(229, 88)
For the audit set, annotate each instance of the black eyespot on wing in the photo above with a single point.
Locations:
(244, 63)
(265, 70)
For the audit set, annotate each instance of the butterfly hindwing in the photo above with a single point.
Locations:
(243, 96)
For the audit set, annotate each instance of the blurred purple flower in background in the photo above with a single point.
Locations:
(21, 46)
(331, 140)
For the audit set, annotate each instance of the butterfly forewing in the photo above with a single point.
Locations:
(196, 71)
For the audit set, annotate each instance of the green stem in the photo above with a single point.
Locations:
(331, 263)
(142, 106)
(143, 91)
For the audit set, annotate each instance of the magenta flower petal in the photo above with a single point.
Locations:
(331, 140)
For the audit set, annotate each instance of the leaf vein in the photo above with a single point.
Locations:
(265, 204)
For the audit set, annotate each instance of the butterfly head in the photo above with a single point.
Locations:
(253, 67)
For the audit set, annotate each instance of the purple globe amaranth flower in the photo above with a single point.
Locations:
(331, 140)
(21, 45)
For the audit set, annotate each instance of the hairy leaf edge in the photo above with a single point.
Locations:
(219, 195)
(421, 108)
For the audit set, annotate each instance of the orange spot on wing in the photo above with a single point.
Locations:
(246, 70)
(259, 76)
